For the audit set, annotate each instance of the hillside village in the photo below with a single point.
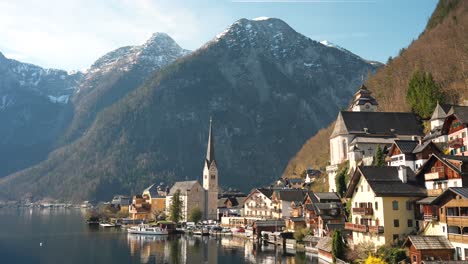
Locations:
(390, 185)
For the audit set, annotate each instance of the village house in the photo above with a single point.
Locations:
(382, 200)
(456, 128)
(428, 248)
(453, 217)
(140, 208)
(156, 196)
(323, 213)
(259, 204)
(193, 194)
(410, 153)
(283, 201)
(358, 133)
(230, 206)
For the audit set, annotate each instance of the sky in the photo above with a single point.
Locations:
(72, 34)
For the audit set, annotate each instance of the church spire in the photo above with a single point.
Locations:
(210, 153)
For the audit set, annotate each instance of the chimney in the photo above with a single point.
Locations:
(402, 174)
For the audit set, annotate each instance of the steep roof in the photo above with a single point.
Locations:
(377, 123)
(153, 191)
(439, 112)
(363, 96)
(428, 242)
(461, 191)
(407, 146)
(266, 191)
(183, 186)
(327, 196)
(461, 112)
(210, 152)
(445, 159)
(325, 244)
(385, 182)
(290, 195)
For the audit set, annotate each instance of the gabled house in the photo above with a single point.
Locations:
(428, 248)
(323, 213)
(358, 133)
(456, 128)
(411, 153)
(442, 171)
(259, 204)
(382, 200)
(283, 201)
(230, 206)
(437, 120)
(453, 216)
(156, 196)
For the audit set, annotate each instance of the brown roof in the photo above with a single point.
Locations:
(428, 242)
(325, 244)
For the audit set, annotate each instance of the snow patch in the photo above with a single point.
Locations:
(262, 18)
(63, 99)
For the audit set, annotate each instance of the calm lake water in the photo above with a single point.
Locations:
(66, 238)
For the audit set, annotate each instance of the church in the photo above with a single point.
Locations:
(193, 194)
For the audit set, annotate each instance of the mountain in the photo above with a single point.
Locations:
(42, 109)
(440, 50)
(266, 86)
(34, 111)
(115, 74)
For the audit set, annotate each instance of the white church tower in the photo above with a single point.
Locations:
(210, 179)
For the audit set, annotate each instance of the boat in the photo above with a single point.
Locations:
(145, 229)
(202, 231)
(109, 224)
(238, 230)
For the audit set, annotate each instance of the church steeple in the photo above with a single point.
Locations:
(210, 152)
(363, 101)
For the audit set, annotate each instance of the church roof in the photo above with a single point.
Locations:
(440, 112)
(210, 152)
(183, 186)
(377, 123)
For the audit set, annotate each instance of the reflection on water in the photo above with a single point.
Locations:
(61, 236)
(193, 249)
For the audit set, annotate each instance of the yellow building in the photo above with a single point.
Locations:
(383, 204)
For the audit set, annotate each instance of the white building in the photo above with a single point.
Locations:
(259, 204)
(358, 133)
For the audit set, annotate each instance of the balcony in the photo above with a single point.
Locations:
(458, 238)
(430, 217)
(363, 211)
(457, 220)
(438, 175)
(356, 227)
(376, 229)
(456, 143)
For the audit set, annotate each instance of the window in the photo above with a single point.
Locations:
(368, 188)
(414, 258)
(361, 188)
(443, 229)
(376, 205)
(441, 210)
(213, 177)
(395, 205)
(410, 222)
(396, 223)
(409, 205)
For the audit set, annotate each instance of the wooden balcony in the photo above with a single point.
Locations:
(376, 229)
(435, 192)
(430, 217)
(457, 221)
(438, 175)
(455, 143)
(356, 227)
(458, 238)
(363, 211)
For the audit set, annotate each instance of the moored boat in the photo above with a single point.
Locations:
(202, 231)
(145, 229)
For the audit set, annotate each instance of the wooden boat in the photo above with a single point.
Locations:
(109, 224)
(145, 229)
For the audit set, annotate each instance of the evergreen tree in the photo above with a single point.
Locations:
(423, 94)
(379, 157)
(176, 207)
(195, 215)
(340, 180)
(338, 246)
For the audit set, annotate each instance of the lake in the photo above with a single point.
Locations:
(61, 236)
